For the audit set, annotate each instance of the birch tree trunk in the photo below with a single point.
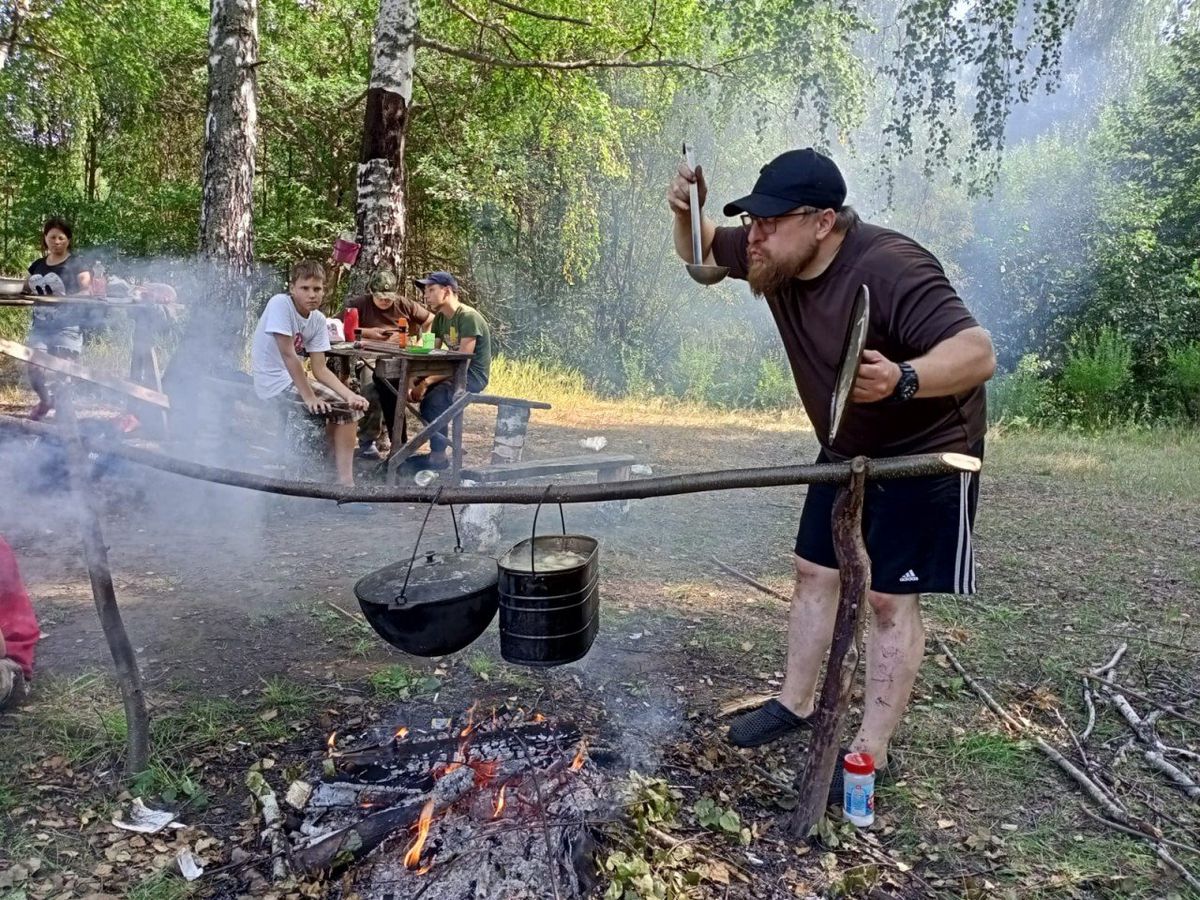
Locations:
(8, 43)
(230, 143)
(380, 207)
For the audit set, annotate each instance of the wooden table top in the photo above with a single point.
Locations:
(82, 300)
(346, 348)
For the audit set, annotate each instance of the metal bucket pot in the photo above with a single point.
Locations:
(549, 608)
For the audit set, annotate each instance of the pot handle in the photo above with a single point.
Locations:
(533, 537)
(417, 545)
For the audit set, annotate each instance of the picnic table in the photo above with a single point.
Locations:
(393, 364)
(143, 362)
(148, 317)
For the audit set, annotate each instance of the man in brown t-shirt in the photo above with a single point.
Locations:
(380, 312)
(919, 389)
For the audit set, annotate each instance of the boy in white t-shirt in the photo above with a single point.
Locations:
(290, 322)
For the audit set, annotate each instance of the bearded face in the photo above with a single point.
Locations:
(775, 263)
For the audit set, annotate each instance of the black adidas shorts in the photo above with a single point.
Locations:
(918, 531)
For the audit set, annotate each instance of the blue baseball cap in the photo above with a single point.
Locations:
(796, 178)
(443, 278)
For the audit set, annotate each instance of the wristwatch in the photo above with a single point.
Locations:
(908, 385)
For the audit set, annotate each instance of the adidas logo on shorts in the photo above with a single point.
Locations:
(910, 575)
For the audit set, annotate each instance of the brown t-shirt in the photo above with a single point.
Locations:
(913, 307)
(371, 316)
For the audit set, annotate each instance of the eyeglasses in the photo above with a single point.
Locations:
(767, 224)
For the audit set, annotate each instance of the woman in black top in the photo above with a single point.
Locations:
(56, 329)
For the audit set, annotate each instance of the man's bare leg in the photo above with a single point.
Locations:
(343, 437)
(810, 631)
(895, 647)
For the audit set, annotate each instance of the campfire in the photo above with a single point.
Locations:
(496, 804)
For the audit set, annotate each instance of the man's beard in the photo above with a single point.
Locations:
(769, 277)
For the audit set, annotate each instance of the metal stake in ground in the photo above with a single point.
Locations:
(95, 551)
(854, 567)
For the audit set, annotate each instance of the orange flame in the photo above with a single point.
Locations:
(538, 717)
(577, 762)
(413, 856)
(331, 743)
(424, 868)
(470, 720)
(401, 733)
(499, 803)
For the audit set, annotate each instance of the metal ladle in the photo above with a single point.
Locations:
(700, 273)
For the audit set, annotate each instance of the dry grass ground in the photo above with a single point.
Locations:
(1083, 542)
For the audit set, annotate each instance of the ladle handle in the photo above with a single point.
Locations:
(694, 204)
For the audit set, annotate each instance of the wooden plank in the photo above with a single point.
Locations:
(73, 369)
(401, 454)
(495, 400)
(539, 467)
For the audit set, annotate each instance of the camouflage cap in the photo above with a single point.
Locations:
(383, 281)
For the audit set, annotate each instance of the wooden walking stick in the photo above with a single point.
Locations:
(854, 567)
(95, 551)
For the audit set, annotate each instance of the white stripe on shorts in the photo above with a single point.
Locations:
(964, 556)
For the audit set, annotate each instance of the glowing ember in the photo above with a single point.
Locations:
(538, 717)
(413, 856)
(485, 771)
(499, 803)
(331, 743)
(577, 762)
(401, 733)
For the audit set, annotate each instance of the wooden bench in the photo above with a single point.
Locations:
(607, 468)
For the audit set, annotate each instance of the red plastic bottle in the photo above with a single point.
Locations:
(350, 323)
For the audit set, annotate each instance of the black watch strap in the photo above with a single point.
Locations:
(908, 385)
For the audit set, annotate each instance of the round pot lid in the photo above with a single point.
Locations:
(436, 578)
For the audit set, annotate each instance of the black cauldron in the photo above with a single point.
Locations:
(446, 602)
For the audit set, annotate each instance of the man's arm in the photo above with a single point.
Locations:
(680, 203)
(957, 364)
(322, 373)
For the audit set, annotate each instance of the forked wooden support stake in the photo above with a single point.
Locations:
(95, 551)
(854, 567)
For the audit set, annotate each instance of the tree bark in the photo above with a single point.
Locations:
(129, 678)
(19, 12)
(380, 207)
(230, 144)
(854, 567)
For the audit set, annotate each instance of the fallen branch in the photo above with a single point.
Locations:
(1154, 750)
(349, 615)
(1165, 709)
(1083, 780)
(1091, 709)
(741, 576)
(272, 822)
(1159, 847)
(737, 706)
(1112, 663)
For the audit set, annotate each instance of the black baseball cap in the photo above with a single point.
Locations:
(443, 278)
(796, 178)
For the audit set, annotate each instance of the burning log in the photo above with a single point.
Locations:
(344, 846)
(855, 574)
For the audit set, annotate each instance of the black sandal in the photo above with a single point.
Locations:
(769, 722)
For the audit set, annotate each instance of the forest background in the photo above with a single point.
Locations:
(1065, 208)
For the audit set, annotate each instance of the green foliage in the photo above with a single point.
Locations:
(1021, 397)
(403, 683)
(1099, 368)
(775, 388)
(1183, 377)
(712, 815)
